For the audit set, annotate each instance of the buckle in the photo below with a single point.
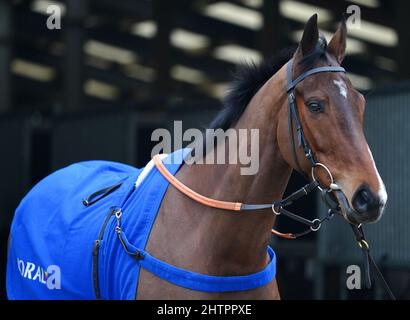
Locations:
(291, 96)
(363, 244)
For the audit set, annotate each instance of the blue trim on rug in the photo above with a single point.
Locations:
(207, 283)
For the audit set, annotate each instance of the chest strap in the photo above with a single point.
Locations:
(192, 280)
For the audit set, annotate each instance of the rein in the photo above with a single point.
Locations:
(277, 206)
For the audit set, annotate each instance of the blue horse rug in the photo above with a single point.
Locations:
(81, 232)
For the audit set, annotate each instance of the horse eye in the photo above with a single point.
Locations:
(315, 106)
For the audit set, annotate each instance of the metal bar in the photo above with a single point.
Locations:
(74, 56)
(270, 34)
(162, 45)
(5, 55)
(402, 9)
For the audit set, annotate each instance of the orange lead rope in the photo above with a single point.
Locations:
(289, 236)
(224, 205)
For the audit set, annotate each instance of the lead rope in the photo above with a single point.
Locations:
(368, 260)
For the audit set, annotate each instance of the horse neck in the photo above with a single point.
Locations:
(237, 242)
(264, 112)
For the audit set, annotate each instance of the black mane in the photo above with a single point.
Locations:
(250, 77)
(247, 80)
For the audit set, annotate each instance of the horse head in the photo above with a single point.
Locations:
(331, 113)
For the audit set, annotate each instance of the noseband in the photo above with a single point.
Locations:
(278, 206)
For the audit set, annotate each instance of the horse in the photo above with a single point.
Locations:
(310, 119)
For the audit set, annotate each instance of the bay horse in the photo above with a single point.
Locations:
(310, 119)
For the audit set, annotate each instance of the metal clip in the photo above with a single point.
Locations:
(274, 211)
(118, 214)
(316, 225)
(330, 214)
(363, 244)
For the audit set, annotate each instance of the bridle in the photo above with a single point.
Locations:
(333, 187)
(294, 115)
(278, 206)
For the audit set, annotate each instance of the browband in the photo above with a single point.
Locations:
(293, 83)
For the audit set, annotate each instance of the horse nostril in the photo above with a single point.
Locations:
(365, 201)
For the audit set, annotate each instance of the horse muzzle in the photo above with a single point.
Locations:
(365, 208)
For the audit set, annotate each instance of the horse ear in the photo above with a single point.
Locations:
(337, 46)
(310, 36)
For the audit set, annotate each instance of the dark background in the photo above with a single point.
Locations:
(118, 69)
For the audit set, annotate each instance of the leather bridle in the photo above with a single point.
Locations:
(302, 142)
(294, 115)
(278, 206)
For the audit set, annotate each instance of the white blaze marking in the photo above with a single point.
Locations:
(382, 189)
(342, 87)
